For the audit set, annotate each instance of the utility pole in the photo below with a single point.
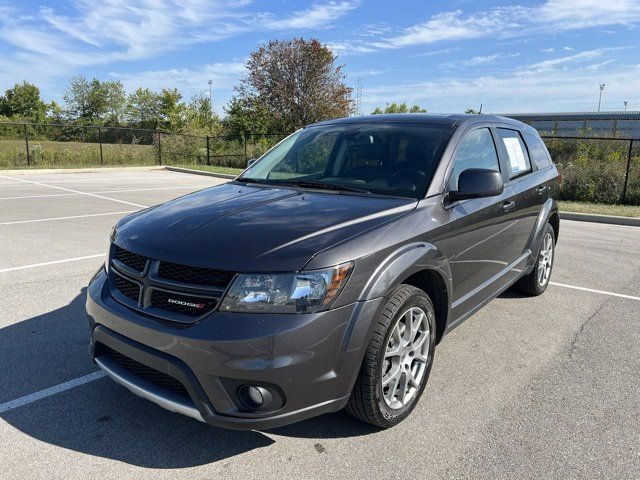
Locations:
(210, 97)
(600, 98)
(625, 105)
(359, 96)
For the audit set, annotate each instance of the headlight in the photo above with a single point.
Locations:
(303, 292)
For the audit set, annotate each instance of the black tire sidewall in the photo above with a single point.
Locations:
(394, 416)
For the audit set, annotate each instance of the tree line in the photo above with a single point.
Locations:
(288, 84)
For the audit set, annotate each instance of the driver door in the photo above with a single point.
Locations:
(478, 230)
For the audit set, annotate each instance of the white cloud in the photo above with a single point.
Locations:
(318, 16)
(516, 91)
(553, 16)
(57, 42)
(577, 58)
(189, 81)
(486, 59)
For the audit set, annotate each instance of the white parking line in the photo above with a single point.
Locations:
(592, 290)
(47, 392)
(36, 220)
(54, 262)
(77, 191)
(169, 176)
(20, 197)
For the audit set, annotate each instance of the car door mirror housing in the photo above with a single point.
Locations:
(477, 183)
(251, 161)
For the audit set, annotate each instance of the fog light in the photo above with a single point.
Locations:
(253, 397)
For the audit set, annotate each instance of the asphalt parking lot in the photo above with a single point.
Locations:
(545, 387)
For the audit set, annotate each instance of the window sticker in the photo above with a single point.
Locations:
(516, 155)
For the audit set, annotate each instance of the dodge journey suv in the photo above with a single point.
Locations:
(324, 276)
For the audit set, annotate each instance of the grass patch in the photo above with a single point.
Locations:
(49, 154)
(213, 169)
(599, 209)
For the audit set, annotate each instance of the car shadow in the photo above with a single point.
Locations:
(104, 419)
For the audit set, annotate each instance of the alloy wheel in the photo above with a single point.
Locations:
(545, 259)
(405, 358)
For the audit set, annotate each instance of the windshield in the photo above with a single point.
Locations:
(397, 159)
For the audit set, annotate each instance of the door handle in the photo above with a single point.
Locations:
(541, 189)
(508, 205)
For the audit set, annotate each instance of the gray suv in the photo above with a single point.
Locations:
(325, 275)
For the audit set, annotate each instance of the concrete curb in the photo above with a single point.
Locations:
(34, 171)
(590, 217)
(200, 172)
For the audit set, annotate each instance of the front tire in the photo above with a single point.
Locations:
(537, 281)
(398, 360)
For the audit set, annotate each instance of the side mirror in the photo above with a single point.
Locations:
(251, 161)
(477, 183)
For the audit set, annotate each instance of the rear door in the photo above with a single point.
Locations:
(528, 193)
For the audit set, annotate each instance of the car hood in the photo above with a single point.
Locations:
(251, 228)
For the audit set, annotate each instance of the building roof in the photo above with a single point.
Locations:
(617, 115)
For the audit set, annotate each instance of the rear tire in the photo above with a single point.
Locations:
(400, 354)
(537, 281)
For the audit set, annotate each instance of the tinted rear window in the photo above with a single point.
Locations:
(537, 150)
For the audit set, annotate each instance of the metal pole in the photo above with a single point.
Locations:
(244, 140)
(208, 151)
(159, 149)
(100, 142)
(26, 141)
(600, 98)
(626, 175)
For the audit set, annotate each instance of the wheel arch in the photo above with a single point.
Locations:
(423, 266)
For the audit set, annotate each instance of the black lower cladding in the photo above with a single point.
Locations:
(160, 379)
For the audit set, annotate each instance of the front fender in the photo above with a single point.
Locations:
(403, 263)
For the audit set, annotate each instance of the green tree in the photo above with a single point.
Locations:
(296, 82)
(399, 108)
(171, 109)
(94, 101)
(200, 117)
(143, 108)
(243, 116)
(116, 101)
(23, 101)
(472, 111)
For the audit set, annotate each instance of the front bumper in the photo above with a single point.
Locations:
(309, 361)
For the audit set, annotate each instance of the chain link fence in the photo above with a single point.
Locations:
(593, 169)
(597, 169)
(25, 145)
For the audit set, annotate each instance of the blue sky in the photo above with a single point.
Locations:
(447, 56)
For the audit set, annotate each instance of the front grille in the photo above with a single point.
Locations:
(191, 305)
(126, 287)
(195, 275)
(151, 375)
(132, 260)
(166, 290)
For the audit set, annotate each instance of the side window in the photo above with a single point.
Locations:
(476, 150)
(538, 151)
(519, 162)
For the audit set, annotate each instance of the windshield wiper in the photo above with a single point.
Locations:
(323, 186)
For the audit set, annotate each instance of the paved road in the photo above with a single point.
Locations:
(527, 388)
